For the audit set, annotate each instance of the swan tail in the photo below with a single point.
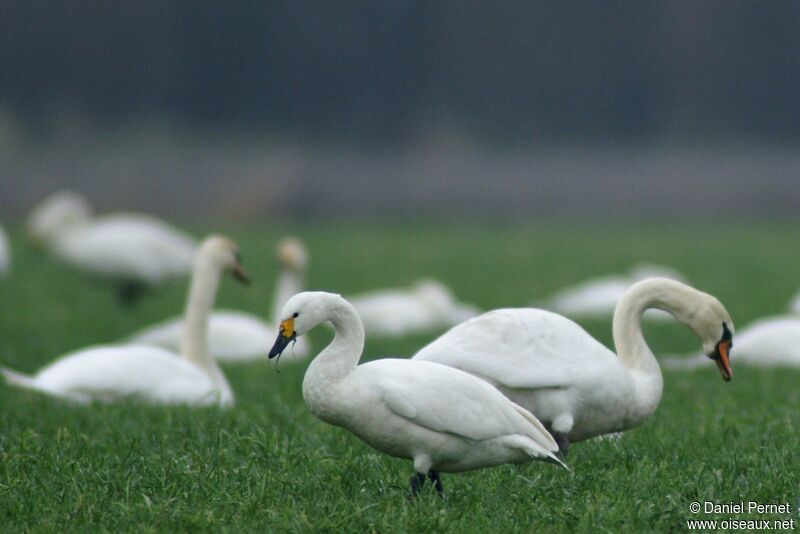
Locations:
(19, 380)
(538, 442)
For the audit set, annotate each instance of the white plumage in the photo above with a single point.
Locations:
(128, 247)
(570, 381)
(768, 342)
(235, 336)
(597, 298)
(427, 306)
(146, 373)
(441, 418)
(5, 253)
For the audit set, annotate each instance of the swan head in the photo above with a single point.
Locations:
(713, 325)
(60, 209)
(224, 253)
(292, 254)
(300, 314)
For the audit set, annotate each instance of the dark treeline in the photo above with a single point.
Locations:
(522, 71)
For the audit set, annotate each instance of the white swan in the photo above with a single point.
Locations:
(574, 384)
(235, 336)
(135, 249)
(5, 253)
(794, 305)
(768, 342)
(441, 418)
(597, 298)
(146, 373)
(426, 306)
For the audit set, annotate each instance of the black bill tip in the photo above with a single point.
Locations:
(280, 345)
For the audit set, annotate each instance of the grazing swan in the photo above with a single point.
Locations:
(768, 342)
(441, 418)
(573, 383)
(146, 373)
(5, 253)
(135, 249)
(427, 306)
(235, 336)
(597, 298)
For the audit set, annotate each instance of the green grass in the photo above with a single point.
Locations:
(268, 465)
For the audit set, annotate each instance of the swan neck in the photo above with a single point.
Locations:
(633, 350)
(202, 292)
(341, 356)
(289, 283)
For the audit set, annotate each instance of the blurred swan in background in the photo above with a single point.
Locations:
(135, 249)
(597, 298)
(441, 418)
(147, 373)
(577, 387)
(5, 253)
(235, 336)
(768, 342)
(794, 305)
(427, 306)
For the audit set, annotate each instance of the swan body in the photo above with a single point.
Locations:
(794, 306)
(441, 418)
(427, 306)
(235, 336)
(575, 385)
(147, 373)
(598, 297)
(112, 373)
(5, 253)
(769, 342)
(125, 246)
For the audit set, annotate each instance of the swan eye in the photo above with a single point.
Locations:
(295, 315)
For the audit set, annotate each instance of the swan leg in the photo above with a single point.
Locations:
(130, 291)
(436, 481)
(417, 481)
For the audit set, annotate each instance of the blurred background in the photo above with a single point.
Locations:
(293, 109)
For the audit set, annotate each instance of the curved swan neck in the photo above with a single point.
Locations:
(661, 293)
(289, 283)
(202, 292)
(668, 295)
(341, 356)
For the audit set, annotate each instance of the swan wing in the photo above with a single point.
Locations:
(117, 372)
(521, 348)
(447, 400)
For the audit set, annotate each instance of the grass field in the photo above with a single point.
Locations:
(269, 465)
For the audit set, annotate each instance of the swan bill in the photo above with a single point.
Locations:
(285, 336)
(722, 357)
(240, 274)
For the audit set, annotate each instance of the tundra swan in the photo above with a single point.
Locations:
(134, 249)
(235, 336)
(142, 372)
(573, 383)
(426, 306)
(597, 298)
(441, 418)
